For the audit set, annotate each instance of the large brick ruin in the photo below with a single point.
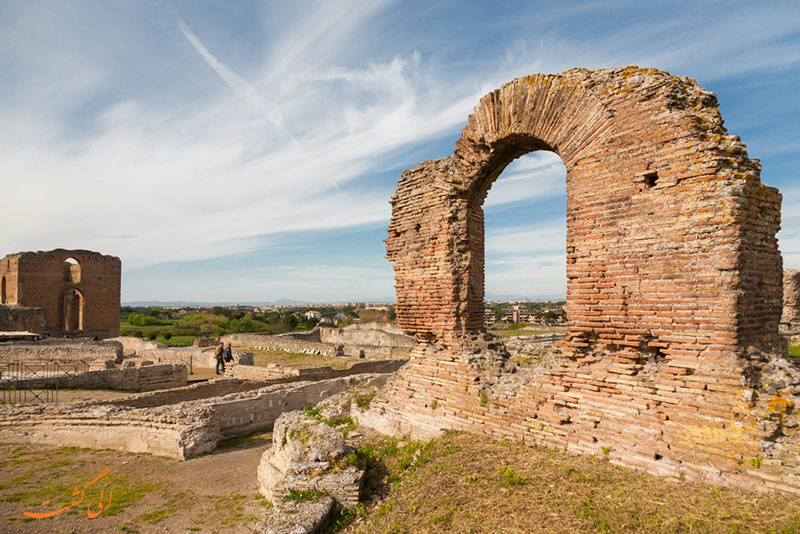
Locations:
(673, 361)
(78, 290)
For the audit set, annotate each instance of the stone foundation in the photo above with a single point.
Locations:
(146, 378)
(191, 356)
(166, 423)
(314, 373)
(371, 341)
(61, 350)
(696, 422)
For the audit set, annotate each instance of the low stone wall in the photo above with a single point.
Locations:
(61, 350)
(203, 390)
(370, 334)
(133, 345)
(315, 373)
(280, 342)
(309, 342)
(146, 378)
(163, 431)
(21, 319)
(240, 414)
(191, 356)
(181, 430)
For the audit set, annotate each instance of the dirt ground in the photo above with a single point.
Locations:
(213, 493)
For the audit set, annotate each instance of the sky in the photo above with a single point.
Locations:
(247, 151)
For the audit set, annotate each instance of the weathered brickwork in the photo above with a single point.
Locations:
(791, 297)
(78, 296)
(673, 357)
(21, 319)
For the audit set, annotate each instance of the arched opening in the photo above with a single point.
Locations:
(72, 271)
(3, 291)
(72, 304)
(525, 246)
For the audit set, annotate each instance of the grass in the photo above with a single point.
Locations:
(525, 329)
(262, 358)
(794, 350)
(257, 439)
(462, 483)
(302, 495)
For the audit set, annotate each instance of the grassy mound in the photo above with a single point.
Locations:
(466, 483)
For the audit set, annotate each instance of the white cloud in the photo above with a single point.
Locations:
(156, 149)
(537, 175)
(550, 236)
(239, 85)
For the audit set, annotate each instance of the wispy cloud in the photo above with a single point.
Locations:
(133, 147)
(234, 81)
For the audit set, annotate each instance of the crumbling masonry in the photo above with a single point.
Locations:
(673, 361)
(77, 290)
(791, 297)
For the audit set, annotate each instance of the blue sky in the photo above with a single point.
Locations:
(247, 151)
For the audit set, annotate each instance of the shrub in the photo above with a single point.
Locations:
(140, 319)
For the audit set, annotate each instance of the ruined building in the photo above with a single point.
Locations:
(77, 291)
(673, 362)
(791, 297)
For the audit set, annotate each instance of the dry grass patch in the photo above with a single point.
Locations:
(150, 494)
(465, 483)
(263, 358)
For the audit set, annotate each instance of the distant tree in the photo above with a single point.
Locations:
(140, 319)
(152, 336)
(392, 314)
(219, 310)
(290, 321)
(167, 335)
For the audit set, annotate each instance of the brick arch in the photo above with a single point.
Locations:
(670, 234)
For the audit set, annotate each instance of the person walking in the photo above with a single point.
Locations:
(219, 355)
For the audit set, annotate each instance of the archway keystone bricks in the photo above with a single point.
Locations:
(674, 284)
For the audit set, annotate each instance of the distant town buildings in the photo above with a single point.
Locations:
(543, 313)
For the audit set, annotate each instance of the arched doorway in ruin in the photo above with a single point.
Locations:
(72, 271)
(658, 257)
(525, 242)
(72, 306)
(3, 291)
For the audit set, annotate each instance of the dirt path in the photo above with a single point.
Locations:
(214, 493)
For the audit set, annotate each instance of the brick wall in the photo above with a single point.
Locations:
(673, 356)
(21, 319)
(41, 279)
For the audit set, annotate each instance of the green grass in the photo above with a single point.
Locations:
(794, 350)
